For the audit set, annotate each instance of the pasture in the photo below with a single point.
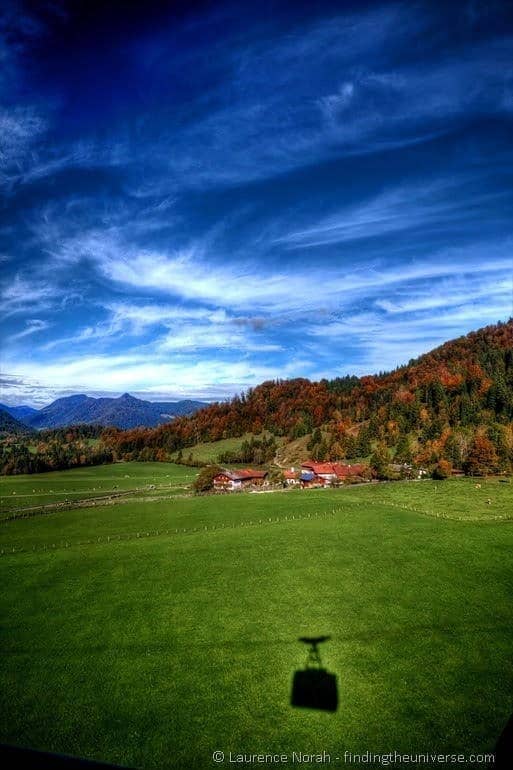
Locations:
(209, 451)
(151, 632)
(27, 491)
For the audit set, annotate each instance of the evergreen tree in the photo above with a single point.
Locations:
(379, 461)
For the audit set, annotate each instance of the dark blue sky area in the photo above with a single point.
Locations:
(200, 196)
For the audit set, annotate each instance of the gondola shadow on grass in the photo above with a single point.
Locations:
(314, 687)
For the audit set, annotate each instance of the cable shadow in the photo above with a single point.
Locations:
(17, 758)
(504, 747)
(177, 643)
(314, 687)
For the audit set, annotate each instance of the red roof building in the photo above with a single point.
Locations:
(231, 480)
(345, 471)
(328, 472)
(320, 469)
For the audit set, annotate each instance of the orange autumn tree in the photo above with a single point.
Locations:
(482, 458)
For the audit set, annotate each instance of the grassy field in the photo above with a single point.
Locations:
(208, 452)
(19, 492)
(152, 632)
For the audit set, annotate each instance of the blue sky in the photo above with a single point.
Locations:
(198, 197)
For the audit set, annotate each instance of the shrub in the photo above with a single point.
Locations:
(205, 479)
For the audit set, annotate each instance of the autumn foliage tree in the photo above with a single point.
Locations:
(482, 458)
(442, 470)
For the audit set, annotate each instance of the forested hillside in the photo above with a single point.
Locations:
(53, 450)
(454, 404)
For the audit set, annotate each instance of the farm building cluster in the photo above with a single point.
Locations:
(311, 474)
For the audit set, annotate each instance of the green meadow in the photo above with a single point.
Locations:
(157, 628)
(209, 451)
(24, 492)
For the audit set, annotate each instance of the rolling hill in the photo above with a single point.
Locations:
(21, 413)
(10, 425)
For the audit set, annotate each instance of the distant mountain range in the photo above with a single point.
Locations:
(123, 412)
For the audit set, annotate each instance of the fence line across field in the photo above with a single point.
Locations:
(173, 531)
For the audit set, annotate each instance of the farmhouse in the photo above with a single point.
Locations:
(350, 471)
(231, 481)
(313, 473)
(323, 472)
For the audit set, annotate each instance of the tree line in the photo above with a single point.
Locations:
(53, 450)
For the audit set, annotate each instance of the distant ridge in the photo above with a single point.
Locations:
(123, 412)
(21, 413)
(12, 426)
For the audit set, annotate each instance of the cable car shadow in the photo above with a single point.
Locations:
(314, 687)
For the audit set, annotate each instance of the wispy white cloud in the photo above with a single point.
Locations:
(372, 104)
(246, 285)
(387, 340)
(127, 318)
(199, 273)
(489, 291)
(332, 105)
(20, 129)
(200, 337)
(370, 109)
(22, 124)
(172, 328)
(32, 326)
(180, 376)
(22, 294)
(250, 132)
(420, 204)
(410, 309)
(245, 130)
